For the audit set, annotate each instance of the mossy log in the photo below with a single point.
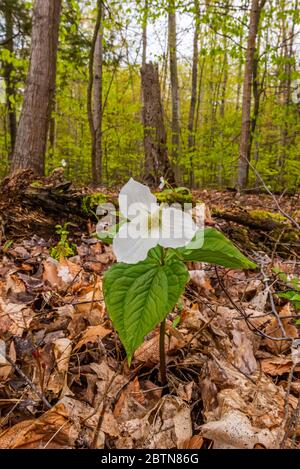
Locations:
(31, 206)
(261, 230)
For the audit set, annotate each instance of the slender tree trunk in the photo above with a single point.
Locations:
(52, 128)
(174, 83)
(31, 140)
(8, 77)
(222, 112)
(192, 111)
(144, 33)
(94, 96)
(155, 137)
(244, 151)
(288, 40)
(98, 108)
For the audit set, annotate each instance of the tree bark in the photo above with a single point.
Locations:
(192, 111)
(244, 151)
(155, 137)
(144, 33)
(94, 96)
(31, 140)
(174, 82)
(285, 86)
(8, 77)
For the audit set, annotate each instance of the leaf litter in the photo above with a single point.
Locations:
(65, 382)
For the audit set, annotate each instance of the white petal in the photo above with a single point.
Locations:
(133, 196)
(177, 228)
(131, 245)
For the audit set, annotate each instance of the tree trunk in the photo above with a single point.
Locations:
(8, 77)
(191, 121)
(174, 82)
(31, 140)
(98, 108)
(94, 96)
(285, 85)
(155, 138)
(144, 33)
(52, 128)
(244, 151)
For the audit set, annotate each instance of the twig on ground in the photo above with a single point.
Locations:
(27, 380)
(250, 325)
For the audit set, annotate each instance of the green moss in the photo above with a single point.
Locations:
(91, 201)
(180, 195)
(36, 184)
(265, 215)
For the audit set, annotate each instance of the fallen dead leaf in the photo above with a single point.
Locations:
(5, 366)
(277, 366)
(92, 334)
(234, 431)
(196, 442)
(14, 318)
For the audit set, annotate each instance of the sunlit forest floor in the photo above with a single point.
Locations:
(232, 382)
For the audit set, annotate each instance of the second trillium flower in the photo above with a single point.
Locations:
(148, 224)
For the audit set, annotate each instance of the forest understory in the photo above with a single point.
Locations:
(232, 358)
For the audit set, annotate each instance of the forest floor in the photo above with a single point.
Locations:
(232, 358)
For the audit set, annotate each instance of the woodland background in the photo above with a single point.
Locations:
(229, 90)
(205, 94)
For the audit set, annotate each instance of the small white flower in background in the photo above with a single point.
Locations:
(63, 163)
(162, 183)
(148, 225)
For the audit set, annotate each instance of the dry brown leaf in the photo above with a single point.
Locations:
(5, 367)
(200, 279)
(244, 357)
(234, 431)
(14, 318)
(92, 334)
(262, 400)
(131, 401)
(57, 381)
(277, 366)
(148, 352)
(52, 430)
(50, 273)
(14, 284)
(185, 391)
(196, 442)
(171, 425)
(60, 274)
(273, 330)
(62, 351)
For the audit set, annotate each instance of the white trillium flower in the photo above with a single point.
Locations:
(148, 224)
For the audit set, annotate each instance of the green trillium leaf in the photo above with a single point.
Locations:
(214, 248)
(139, 296)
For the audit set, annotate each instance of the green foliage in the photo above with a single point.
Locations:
(222, 40)
(170, 196)
(292, 292)
(63, 248)
(292, 296)
(91, 201)
(138, 297)
(212, 246)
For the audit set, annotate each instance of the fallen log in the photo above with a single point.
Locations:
(260, 230)
(30, 205)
